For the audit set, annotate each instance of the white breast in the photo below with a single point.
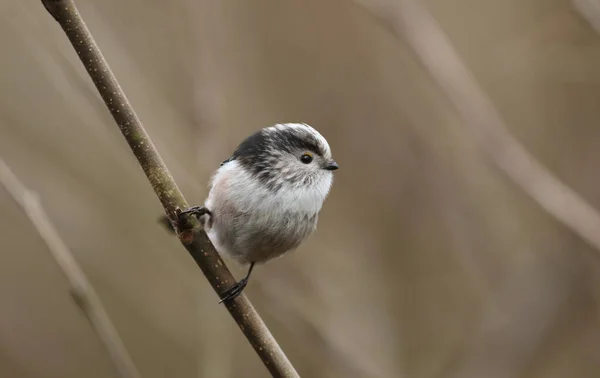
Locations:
(248, 194)
(234, 190)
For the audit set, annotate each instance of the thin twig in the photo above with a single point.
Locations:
(82, 291)
(194, 240)
(590, 10)
(411, 21)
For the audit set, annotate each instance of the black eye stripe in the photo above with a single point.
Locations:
(261, 151)
(289, 140)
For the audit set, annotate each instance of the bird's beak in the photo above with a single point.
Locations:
(331, 166)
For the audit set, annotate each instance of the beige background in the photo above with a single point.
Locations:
(428, 261)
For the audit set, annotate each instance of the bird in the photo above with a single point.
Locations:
(265, 199)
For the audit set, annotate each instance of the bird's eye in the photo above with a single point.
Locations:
(306, 158)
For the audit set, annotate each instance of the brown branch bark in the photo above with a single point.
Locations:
(82, 292)
(194, 240)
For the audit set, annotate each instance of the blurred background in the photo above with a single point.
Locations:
(428, 262)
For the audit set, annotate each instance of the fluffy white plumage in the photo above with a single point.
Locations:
(253, 222)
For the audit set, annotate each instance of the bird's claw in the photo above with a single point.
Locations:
(234, 291)
(198, 211)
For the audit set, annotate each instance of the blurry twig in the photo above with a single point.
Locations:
(81, 290)
(194, 240)
(590, 10)
(340, 350)
(411, 21)
(515, 321)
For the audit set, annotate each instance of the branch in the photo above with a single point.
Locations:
(590, 10)
(194, 240)
(81, 290)
(411, 21)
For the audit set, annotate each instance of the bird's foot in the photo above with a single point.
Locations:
(198, 211)
(234, 291)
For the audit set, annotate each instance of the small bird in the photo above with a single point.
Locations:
(265, 199)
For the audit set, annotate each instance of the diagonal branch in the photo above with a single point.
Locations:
(82, 291)
(412, 21)
(590, 10)
(194, 240)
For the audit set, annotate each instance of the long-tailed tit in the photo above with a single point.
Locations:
(265, 199)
